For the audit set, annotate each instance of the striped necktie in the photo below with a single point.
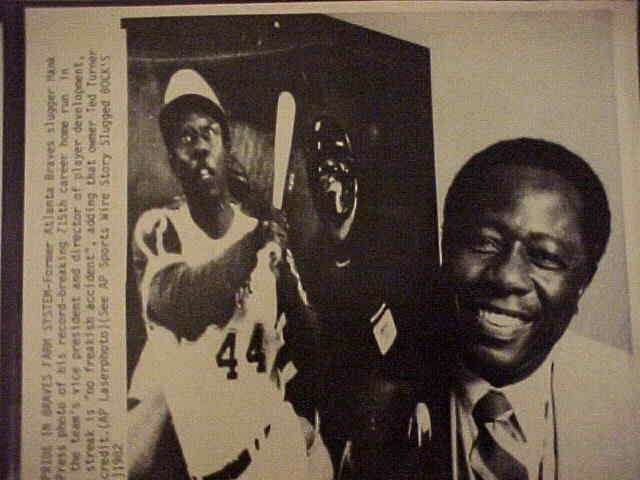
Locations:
(494, 455)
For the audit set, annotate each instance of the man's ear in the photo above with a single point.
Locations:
(173, 165)
(589, 274)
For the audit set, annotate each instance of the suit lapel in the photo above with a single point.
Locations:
(571, 427)
(436, 457)
(566, 414)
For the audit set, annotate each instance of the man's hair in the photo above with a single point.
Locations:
(469, 183)
(172, 112)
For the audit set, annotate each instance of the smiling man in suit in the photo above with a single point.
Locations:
(526, 222)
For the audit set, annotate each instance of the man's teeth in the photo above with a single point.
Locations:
(499, 320)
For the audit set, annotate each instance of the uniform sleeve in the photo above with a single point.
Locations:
(184, 298)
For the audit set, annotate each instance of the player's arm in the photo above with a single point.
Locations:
(306, 343)
(304, 333)
(185, 298)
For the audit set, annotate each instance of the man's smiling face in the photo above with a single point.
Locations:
(516, 262)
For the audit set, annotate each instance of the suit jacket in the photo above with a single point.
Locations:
(595, 415)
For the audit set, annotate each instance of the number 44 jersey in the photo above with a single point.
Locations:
(221, 387)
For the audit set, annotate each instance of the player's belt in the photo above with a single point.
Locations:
(233, 469)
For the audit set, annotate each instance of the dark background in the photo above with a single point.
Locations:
(378, 87)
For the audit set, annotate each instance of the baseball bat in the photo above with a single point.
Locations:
(285, 119)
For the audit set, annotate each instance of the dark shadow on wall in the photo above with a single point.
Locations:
(378, 87)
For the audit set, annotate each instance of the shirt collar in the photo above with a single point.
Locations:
(528, 397)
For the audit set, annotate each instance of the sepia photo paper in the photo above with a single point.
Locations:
(233, 218)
